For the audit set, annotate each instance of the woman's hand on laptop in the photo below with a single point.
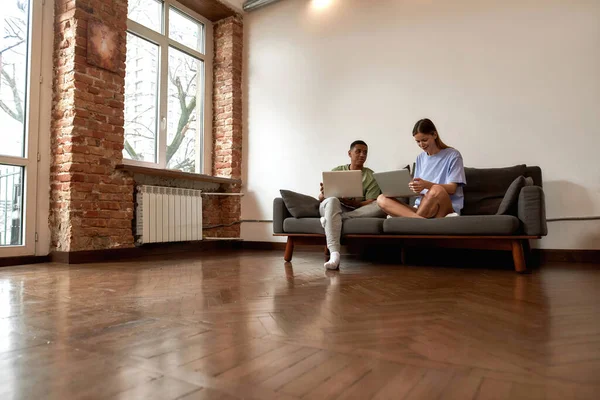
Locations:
(418, 185)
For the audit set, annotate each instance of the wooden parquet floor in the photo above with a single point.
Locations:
(244, 325)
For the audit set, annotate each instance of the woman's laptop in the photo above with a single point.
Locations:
(394, 183)
(342, 184)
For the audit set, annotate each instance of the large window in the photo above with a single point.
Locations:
(20, 52)
(166, 110)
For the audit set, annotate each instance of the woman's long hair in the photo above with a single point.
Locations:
(427, 127)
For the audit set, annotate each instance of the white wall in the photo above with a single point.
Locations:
(506, 82)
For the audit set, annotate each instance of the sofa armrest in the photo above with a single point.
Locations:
(532, 211)
(280, 213)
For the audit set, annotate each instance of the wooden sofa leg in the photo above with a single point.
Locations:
(289, 249)
(529, 261)
(519, 256)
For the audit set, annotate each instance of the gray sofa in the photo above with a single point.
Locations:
(504, 209)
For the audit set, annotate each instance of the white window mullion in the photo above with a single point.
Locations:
(142, 31)
(164, 91)
(188, 50)
(200, 83)
(33, 125)
(16, 161)
(208, 101)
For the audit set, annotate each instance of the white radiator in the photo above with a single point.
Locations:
(165, 214)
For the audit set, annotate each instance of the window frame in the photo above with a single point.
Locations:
(30, 158)
(162, 40)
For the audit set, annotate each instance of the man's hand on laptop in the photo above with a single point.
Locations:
(351, 202)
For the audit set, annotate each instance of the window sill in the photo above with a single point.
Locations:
(134, 169)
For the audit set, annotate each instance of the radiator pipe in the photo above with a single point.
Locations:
(251, 5)
(591, 218)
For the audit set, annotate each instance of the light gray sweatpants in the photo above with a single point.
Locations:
(334, 212)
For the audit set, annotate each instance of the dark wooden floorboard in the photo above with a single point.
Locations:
(246, 325)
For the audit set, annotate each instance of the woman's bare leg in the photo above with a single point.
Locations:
(396, 209)
(435, 204)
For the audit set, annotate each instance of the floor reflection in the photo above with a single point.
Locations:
(144, 328)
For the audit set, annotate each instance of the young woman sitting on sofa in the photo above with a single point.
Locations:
(438, 178)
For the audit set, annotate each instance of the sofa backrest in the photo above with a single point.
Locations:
(486, 187)
(534, 173)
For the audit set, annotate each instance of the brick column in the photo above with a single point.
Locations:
(227, 117)
(91, 203)
(227, 98)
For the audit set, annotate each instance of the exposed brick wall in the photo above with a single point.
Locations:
(91, 203)
(222, 210)
(227, 101)
(227, 119)
(231, 211)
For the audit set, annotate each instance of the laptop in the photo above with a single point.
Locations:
(394, 183)
(342, 184)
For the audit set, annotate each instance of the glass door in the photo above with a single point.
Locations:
(19, 103)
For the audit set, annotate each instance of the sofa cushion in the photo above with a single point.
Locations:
(484, 225)
(303, 225)
(363, 226)
(486, 187)
(509, 203)
(300, 205)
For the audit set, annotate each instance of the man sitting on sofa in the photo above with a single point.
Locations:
(333, 210)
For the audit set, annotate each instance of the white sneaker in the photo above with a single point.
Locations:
(389, 216)
(332, 266)
(334, 261)
(452, 215)
(322, 222)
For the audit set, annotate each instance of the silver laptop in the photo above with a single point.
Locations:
(342, 184)
(394, 183)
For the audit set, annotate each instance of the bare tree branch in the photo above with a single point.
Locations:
(18, 113)
(186, 165)
(130, 150)
(190, 82)
(182, 128)
(183, 124)
(11, 47)
(7, 110)
(13, 29)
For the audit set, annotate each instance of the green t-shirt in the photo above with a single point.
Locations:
(370, 187)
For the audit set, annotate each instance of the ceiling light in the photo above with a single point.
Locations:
(321, 3)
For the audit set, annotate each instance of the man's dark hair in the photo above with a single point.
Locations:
(357, 142)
